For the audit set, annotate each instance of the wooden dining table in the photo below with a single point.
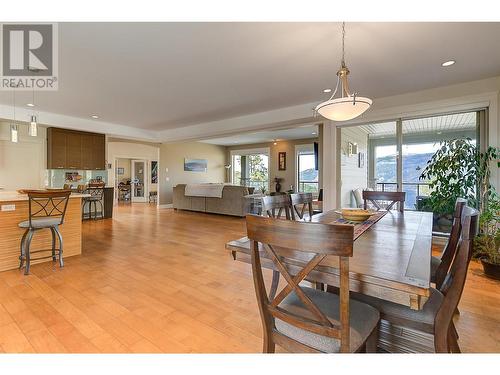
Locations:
(391, 259)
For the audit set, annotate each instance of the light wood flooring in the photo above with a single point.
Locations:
(161, 281)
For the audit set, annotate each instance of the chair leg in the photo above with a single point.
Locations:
(29, 237)
(53, 244)
(21, 257)
(452, 341)
(372, 341)
(269, 346)
(102, 209)
(61, 262)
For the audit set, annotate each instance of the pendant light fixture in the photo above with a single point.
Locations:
(14, 129)
(347, 106)
(33, 126)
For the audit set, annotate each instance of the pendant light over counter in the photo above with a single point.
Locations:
(14, 129)
(347, 106)
(33, 126)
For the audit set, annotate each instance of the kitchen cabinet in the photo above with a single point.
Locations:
(71, 149)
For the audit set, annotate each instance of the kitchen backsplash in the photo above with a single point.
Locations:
(56, 178)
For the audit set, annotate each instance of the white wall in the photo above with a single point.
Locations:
(131, 150)
(22, 164)
(352, 177)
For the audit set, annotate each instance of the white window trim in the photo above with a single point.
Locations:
(253, 151)
(308, 147)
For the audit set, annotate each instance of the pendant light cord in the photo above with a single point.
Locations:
(343, 44)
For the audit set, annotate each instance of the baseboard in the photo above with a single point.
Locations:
(170, 205)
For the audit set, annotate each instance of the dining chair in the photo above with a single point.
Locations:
(67, 186)
(46, 211)
(441, 265)
(436, 317)
(299, 203)
(392, 197)
(300, 318)
(274, 205)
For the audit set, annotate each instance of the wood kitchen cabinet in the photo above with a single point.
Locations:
(70, 149)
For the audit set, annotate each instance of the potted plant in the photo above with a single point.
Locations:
(457, 169)
(487, 243)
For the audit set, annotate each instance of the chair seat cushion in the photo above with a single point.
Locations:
(46, 222)
(435, 262)
(363, 320)
(422, 320)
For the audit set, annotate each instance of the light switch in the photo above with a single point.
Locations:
(8, 207)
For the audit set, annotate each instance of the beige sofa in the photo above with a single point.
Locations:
(233, 201)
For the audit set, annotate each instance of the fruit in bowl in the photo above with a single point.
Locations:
(356, 214)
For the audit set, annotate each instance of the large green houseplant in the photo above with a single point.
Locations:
(460, 169)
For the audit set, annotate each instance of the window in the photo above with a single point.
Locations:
(307, 175)
(251, 168)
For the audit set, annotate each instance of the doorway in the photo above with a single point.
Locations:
(131, 182)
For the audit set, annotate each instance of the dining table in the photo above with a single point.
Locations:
(391, 260)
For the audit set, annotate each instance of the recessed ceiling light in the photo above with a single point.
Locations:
(448, 63)
(313, 133)
(439, 133)
(94, 116)
(30, 105)
(327, 90)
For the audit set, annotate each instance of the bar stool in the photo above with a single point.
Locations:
(96, 191)
(46, 211)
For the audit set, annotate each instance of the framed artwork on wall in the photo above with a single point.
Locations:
(361, 160)
(120, 170)
(282, 161)
(154, 172)
(195, 165)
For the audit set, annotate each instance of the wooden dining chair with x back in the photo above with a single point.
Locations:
(299, 318)
(441, 265)
(391, 197)
(301, 206)
(436, 317)
(46, 211)
(274, 206)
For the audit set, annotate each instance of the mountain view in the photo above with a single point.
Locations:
(413, 165)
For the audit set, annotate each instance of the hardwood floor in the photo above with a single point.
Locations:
(161, 281)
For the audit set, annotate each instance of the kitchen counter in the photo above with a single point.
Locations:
(14, 209)
(14, 196)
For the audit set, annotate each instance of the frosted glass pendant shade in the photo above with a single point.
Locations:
(343, 109)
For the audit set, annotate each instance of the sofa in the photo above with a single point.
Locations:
(233, 201)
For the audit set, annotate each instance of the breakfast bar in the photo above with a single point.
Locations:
(14, 209)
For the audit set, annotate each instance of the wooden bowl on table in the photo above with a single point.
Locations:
(355, 214)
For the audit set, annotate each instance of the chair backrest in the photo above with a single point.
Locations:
(392, 197)
(81, 188)
(452, 244)
(274, 205)
(285, 240)
(67, 187)
(95, 189)
(47, 203)
(299, 203)
(453, 285)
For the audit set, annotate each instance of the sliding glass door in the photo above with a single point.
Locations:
(250, 168)
(396, 154)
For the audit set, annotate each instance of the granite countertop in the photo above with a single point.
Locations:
(12, 196)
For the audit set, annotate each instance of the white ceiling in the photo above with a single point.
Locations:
(302, 132)
(161, 76)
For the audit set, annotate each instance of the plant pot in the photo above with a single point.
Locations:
(491, 269)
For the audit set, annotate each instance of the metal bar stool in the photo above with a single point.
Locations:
(46, 211)
(96, 191)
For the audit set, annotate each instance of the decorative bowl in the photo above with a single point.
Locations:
(355, 214)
